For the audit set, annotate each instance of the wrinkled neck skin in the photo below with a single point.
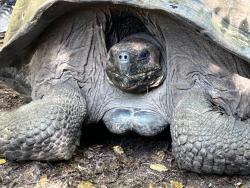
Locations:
(75, 47)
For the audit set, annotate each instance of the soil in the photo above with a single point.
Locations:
(106, 160)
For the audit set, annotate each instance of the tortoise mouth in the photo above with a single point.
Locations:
(136, 83)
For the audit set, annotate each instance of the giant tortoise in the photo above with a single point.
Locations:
(137, 65)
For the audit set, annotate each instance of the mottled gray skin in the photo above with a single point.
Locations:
(134, 64)
(204, 97)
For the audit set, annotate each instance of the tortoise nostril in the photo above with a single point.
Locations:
(123, 56)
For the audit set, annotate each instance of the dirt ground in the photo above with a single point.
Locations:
(106, 160)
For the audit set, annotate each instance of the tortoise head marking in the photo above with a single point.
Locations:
(134, 64)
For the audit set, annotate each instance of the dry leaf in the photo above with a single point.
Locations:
(2, 161)
(151, 186)
(85, 184)
(166, 185)
(42, 182)
(240, 185)
(176, 184)
(158, 156)
(158, 167)
(118, 150)
(103, 186)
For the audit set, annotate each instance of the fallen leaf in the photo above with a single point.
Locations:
(103, 186)
(210, 185)
(176, 184)
(81, 168)
(42, 182)
(85, 184)
(158, 167)
(118, 150)
(240, 185)
(158, 156)
(2, 161)
(151, 186)
(166, 185)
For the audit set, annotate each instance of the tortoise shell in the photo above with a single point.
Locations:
(226, 22)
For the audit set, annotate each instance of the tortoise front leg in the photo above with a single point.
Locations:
(45, 129)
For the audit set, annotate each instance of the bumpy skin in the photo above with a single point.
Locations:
(218, 143)
(46, 129)
(206, 138)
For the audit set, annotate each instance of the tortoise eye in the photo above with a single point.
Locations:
(144, 55)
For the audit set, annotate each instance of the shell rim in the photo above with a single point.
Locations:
(20, 40)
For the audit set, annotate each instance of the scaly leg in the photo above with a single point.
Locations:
(45, 129)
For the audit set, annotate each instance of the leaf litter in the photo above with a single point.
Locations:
(102, 162)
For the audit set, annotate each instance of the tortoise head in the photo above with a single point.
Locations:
(134, 64)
